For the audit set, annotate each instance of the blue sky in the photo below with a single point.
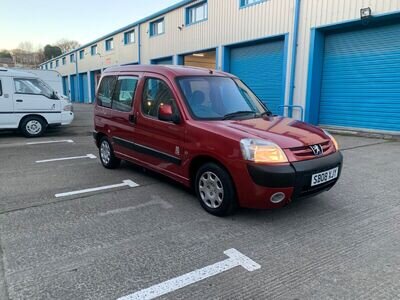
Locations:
(47, 21)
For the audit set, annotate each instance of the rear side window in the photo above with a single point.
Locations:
(106, 91)
(124, 93)
(156, 92)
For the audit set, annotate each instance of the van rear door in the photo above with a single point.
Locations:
(8, 118)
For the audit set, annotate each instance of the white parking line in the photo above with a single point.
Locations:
(156, 200)
(50, 142)
(129, 183)
(235, 259)
(91, 156)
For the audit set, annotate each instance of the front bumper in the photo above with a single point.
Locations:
(296, 176)
(67, 117)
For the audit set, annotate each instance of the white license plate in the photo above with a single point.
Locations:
(323, 177)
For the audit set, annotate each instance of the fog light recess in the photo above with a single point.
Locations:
(278, 197)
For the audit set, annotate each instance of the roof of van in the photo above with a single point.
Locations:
(16, 73)
(167, 70)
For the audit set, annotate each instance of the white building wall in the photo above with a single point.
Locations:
(228, 24)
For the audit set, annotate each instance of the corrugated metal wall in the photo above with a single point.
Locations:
(228, 24)
(316, 13)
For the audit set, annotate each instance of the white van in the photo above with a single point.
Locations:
(29, 104)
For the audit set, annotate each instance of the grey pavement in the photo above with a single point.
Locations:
(343, 244)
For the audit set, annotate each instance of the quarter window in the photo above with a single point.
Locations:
(197, 13)
(157, 27)
(106, 90)
(156, 93)
(33, 87)
(124, 93)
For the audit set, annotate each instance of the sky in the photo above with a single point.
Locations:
(45, 22)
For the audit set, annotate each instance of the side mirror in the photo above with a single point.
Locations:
(165, 113)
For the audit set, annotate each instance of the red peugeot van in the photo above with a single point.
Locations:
(207, 130)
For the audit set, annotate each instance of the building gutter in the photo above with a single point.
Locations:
(294, 56)
(139, 44)
(78, 82)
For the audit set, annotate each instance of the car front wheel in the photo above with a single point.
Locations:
(107, 156)
(33, 127)
(215, 190)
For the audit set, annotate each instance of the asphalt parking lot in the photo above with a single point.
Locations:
(111, 243)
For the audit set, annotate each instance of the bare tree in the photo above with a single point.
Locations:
(67, 45)
(26, 46)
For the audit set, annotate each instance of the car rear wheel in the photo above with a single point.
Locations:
(215, 190)
(33, 127)
(107, 156)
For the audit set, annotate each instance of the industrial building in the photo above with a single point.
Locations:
(330, 62)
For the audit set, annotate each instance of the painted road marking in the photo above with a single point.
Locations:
(235, 259)
(91, 156)
(156, 200)
(50, 142)
(129, 183)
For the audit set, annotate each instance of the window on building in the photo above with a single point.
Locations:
(51, 65)
(124, 93)
(1, 89)
(249, 2)
(47, 66)
(57, 63)
(197, 13)
(64, 60)
(82, 54)
(72, 58)
(106, 91)
(109, 44)
(129, 37)
(93, 50)
(156, 93)
(157, 27)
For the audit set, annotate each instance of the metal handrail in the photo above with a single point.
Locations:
(299, 107)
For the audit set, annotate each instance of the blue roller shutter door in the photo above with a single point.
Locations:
(361, 79)
(74, 85)
(163, 61)
(84, 88)
(261, 67)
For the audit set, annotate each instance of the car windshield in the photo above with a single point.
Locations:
(220, 98)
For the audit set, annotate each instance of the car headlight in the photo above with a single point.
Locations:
(333, 140)
(261, 151)
(68, 107)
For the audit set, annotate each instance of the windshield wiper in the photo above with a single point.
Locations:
(267, 113)
(238, 113)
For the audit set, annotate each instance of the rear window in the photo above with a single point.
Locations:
(106, 90)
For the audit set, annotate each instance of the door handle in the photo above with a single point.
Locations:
(19, 100)
(132, 119)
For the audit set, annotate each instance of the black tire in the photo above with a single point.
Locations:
(32, 127)
(108, 158)
(210, 196)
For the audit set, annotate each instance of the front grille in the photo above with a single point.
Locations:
(305, 151)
